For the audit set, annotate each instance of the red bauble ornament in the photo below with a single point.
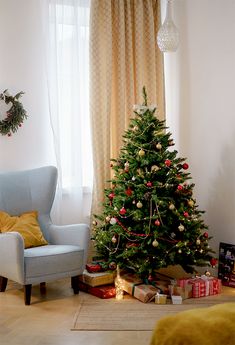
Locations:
(186, 214)
(167, 162)
(206, 234)
(157, 222)
(111, 196)
(185, 166)
(213, 262)
(149, 184)
(129, 192)
(179, 187)
(122, 211)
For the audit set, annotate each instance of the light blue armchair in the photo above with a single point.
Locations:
(66, 253)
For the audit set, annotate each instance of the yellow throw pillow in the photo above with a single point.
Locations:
(26, 224)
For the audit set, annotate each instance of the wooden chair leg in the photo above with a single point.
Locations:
(74, 284)
(3, 283)
(43, 288)
(27, 293)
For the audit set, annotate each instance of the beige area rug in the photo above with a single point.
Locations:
(129, 314)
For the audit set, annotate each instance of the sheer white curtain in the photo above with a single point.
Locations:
(66, 24)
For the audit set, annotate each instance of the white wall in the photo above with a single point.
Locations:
(200, 99)
(21, 69)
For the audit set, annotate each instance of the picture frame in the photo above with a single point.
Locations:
(226, 267)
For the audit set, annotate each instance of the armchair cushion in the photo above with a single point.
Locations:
(26, 224)
(51, 261)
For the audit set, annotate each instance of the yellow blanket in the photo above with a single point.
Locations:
(203, 326)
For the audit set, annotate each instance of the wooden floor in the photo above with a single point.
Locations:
(47, 321)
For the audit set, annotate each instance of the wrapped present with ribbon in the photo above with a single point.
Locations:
(200, 287)
(214, 284)
(145, 293)
(129, 281)
(134, 286)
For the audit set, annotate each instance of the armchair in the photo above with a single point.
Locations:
(65, 254)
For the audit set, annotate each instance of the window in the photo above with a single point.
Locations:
(69, 90)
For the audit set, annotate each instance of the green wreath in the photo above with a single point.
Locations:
(15, 115)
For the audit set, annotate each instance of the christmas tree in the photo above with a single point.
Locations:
(150, 218)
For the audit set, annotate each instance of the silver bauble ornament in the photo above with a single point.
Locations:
(113, 221)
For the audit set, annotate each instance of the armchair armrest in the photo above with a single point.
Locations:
(74, 234)
(12, 256)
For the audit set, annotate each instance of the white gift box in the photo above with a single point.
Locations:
(176, 299)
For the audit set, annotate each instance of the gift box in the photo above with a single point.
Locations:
(162, 285)
(103, 291)
(145, 293)
(93, 268)
(97, 279)
(97, 266)
(176, 299)
(133, 285)
(201, 287)
(129, 281)
(182, 282)
(185, 292)
(214, 285)
(160, 298)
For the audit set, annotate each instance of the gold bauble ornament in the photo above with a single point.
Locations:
(107, 219)
(179, 251)
(171, 207)
(141, 153)
(181, 227)
(198, 241)
(139, 204)
(154, 168)
(155, 243)
(191, 203)
(159, 146)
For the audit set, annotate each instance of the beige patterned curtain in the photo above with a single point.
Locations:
(124, 57)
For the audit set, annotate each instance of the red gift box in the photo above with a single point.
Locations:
(97, 266)
(215, 286)
(203, 286)
(92, 268)
(182, 282)
(103, 291)
(200, 287)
